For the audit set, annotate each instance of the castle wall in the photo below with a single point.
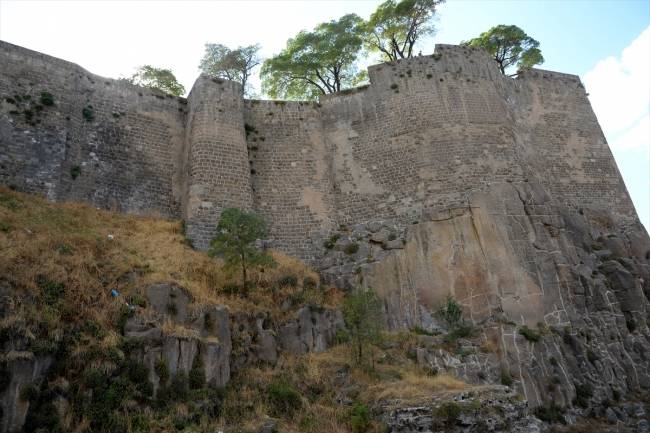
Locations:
(127, 158)
(290, 173)
(218, 176)
(424, 135)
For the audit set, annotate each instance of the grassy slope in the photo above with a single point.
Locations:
(59, 265)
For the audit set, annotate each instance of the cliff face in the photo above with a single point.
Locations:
(441, 178)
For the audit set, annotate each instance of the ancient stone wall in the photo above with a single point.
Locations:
(420, 138)
(218, 175)
(124, 153)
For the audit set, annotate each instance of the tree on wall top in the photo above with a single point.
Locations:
(510, 46)
(235, 65)
(395, 27)
(316, 62)
(234, 241)
(156, 78)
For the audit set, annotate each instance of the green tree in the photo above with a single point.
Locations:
(317, 62)
(510, 46)
(362, 311)
(157, 78)
(395, 27)
(235, 65)
(237, 232)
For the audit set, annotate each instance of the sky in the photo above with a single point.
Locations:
(606, 43)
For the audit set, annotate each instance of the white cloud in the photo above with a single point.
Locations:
(619, 87)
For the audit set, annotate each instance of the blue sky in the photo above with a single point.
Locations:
(588, 38)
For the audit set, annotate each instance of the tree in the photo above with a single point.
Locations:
(316, 63)
(395, 27)
(235, 239)
(235, 65)
(157, 78)
(510, 46)
(363, 316)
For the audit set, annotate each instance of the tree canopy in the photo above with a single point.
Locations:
(316, 62)
(235, 65)
(395, 27)
(157, 78)
(234, 241)
(510, 46)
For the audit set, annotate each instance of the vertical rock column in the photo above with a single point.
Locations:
(218, 170)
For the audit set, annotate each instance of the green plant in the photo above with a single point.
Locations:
(47, 99)
(449, 412)
(288, 281)
(360, 418)
(584, 392)
(162, 371)
(506, 378)
(331, 242)
(197, 373)
(308, 283)
(451, 312)
(282, 397)
(551, 414)
(88, 113)
(237, 232)
(172, 309)
(351, 248)
(5, 227)
(362, 311)
(75, 171)
(530, 334)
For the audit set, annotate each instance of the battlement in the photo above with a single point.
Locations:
(419, 138)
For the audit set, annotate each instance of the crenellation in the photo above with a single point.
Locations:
(421, 138)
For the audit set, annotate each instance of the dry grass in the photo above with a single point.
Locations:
(89, 252)
(414, 386)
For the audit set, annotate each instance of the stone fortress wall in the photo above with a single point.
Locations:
(425, 134)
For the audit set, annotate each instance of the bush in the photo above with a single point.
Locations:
(283, 398)
(584, 392)
(360, 418)
(451, 312)
(47, 99)
(288, 281)
(551, 414)
(197, 373)
(449, 412)
(530, 334)
(351, 248)
(331, 242)
(162, 371)
(309, 283)
(75, 171)
(88, 113)
(506, 379)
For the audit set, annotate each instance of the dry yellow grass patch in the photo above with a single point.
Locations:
(413, 386)
(79, 254)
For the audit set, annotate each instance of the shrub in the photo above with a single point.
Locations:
(197, 373)
(309, 283)
(5, 227)
(351, 248)
(88, 113)
(162, 371)
(584, 392)
(288, 281)
(460, 331)
(75, 171)
(360, 418)
(449, 412)
(179, 387)
(47, 99)
(451, 312)
(172, 309)
(51, 291)
(283, 398)
(331, 242)
(530, 334)
(506, 379)
(394, 86)
(551, 414)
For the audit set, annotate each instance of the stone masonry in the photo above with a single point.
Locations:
(425, 134)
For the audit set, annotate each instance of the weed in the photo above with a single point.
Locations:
(449, 412)
(75, 171)
(88, 113)
(351, 248)
(197, 373)
(331, 242)
(288, 281)
(552, 414)
(506, 378)
(360, 418)
(47, 99)
(283, 398)
(530, 334)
